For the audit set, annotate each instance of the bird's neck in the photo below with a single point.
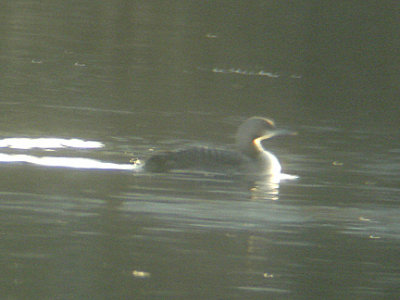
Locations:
(251, 148)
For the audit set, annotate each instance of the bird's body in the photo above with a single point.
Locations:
(248, 156)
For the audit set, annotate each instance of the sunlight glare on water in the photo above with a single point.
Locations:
(52, 161)
(66, 162)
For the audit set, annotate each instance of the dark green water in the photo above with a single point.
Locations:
(138, 76)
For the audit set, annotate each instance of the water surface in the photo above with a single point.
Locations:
(88, 88)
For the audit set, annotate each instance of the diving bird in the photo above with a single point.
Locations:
(248, 155)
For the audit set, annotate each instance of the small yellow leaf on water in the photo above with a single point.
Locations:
(268, 275)
(374, 237)
(135, 161)
(337, 163)
(140, 274)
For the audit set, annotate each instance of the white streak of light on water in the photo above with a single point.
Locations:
(66, 162)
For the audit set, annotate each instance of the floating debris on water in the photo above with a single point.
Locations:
(211, 36)
(245, 72)
(78, 64)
